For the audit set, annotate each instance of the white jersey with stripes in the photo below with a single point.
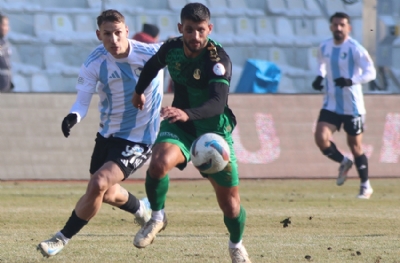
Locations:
(115, 80)
(348, 60)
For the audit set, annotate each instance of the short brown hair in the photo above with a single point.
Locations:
(110, 15)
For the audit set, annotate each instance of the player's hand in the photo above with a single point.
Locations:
(174, 114)
(138, 101)
(342, 82)
(317, 83)
(69, 121)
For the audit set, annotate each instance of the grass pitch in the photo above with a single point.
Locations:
(327, 223)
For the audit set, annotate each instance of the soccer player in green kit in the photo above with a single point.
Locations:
(201, 73)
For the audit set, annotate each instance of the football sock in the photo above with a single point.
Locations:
(366, 184)
(156, 190)
(333, 153)
(158, 215)
(235, 226)
(362, 167)
(62, 237)
(73, 225)
(132, 205)
(235, 245)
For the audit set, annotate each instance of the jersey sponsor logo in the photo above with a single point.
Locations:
(169, 134)
(114, 75)
(81, 80)
(196, 74)
(213, 53)
(135, 150)
(219, 69)
(178, 66)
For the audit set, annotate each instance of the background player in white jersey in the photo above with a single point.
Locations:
(343, 66)
(125, 136)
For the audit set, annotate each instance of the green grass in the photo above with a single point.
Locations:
(327, 223)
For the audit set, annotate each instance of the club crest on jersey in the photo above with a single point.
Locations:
(81, 80)
(219, 69)
(343, 55)
(138, 71)
(196, 74)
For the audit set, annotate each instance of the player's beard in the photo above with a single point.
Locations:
(193, 50)
(338, 36)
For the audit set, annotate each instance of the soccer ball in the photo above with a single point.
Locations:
(210, 153)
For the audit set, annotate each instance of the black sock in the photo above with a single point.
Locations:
(362, 167)
(73, 225)
(332, 153)
(132, 205)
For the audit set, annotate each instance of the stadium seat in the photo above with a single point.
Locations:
(278, 56)
(276, 7)
(130, 22)
(333, 6)
(286, 35)
(18, 66)
(42, 26)
(286, 85)
(218, 7)
(176, 5)
(236, 74)
(355, 10)
(21, 83)
(245, 33)
(84, 23)
(168, 26)
(296, 8)
(312, 8)
(239, 7)
(321, 30)
(312, 60)
(126, 6)
(265, 32)
(40, 83)
(303, 27)
(21, 6)
(204, 2)
(54, 62)
(224, 31)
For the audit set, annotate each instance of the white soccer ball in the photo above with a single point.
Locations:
(210, 153)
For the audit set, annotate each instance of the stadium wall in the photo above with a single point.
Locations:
(273, 139)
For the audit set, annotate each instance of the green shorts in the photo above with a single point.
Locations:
(170, 133)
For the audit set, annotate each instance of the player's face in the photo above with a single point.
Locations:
(340, 28)
(195, 35)
(4, 27)
(115, 38)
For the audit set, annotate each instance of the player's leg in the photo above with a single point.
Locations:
(354, 126)
(86, 208)
(329, 122)
(165, 157)
(172, 149)
(225, 184)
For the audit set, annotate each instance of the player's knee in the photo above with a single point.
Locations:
(230, 209)
(109, 197)
(97, 185)
(159, 167)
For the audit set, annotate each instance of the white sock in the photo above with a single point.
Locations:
(366, 184)
(158, 215)
(65, 240)
(235, 245)
(140, 211)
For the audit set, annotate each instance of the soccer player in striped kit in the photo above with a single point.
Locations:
(125, 136)
(343, 66)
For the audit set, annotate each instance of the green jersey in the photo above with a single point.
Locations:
(196, 82)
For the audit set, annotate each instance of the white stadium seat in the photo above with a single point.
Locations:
(54, 62)
(264, 31)
(296, 8)
(224, 31)
(168, 26)
(245, 33)
(21, 84)
(321, 30)
(42, 26)
(141, 19)
(176, 5)
(239, 7)
(40, 83)
(333, 6)
(354, 10)
(218, 7)
(357, 29)
(312, 8)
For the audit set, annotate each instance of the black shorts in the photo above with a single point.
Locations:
(129, 156)
(352, 125)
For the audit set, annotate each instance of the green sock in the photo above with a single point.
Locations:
(236, 226)
(156, 191)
